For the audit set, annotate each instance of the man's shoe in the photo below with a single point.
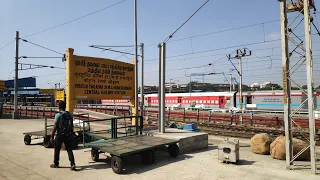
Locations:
(54, 166)
(73, 167)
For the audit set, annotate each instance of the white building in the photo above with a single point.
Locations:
(255, 85)
(263, 85)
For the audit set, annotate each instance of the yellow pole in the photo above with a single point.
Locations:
(133, 112)
(133, 105)
(69, 81)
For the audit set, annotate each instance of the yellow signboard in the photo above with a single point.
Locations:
(97, 78)
(47, 91)
(60, 95)
(2, 85)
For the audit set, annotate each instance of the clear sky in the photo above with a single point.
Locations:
(156, 20)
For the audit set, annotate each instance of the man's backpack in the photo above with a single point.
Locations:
(65, 124)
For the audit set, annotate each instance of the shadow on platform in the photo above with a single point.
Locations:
(243, 162)
(133, 163)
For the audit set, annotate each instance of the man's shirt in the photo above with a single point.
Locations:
(58, 117)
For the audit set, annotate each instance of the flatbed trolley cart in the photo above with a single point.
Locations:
(120, 147)
(46, 134)
(106, 133)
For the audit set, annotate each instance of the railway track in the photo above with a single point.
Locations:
(249, 132)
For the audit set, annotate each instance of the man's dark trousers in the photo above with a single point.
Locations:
(57, 147)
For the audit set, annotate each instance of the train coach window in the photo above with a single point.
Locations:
(200, 101)
(205, 101)
(249, 99)
(212, 101)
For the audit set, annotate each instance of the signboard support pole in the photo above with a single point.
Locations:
(70, 90)
(136, 102)
(15, 114)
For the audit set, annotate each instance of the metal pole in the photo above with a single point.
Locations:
(190, 90)
(163, 86)
(136, 102)
(170, 86)
(142, 82)
(55, 91)
(45, 126)
(15, 114)
(286, 82)
(231, 82)
(159, 89)
(240, 89)
(307, 31)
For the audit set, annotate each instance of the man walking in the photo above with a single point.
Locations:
(63, 132)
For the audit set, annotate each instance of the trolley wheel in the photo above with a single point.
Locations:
(94, 154)
(27, 139)
(46, 142)
(148, 157)
(117, 164)
(173, 150)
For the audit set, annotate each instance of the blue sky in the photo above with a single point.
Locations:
(156, 20)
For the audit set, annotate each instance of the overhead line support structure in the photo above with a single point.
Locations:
(304, 50)
(15, 114)
(239, 55)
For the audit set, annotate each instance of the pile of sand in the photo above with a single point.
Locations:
(260, 143)
(278, 148)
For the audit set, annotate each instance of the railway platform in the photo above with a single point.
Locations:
(18, 161)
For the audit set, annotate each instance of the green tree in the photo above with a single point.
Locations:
(272, 86)
(244, 88)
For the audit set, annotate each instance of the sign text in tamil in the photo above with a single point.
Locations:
(97, 78)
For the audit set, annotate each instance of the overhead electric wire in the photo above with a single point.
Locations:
(224, 64)
(41, 46)
(193, 67)
(65, 23)
(7, 44)
(171, 35)
(112, 50)
(225, 30)
(235, 46)
(81, 17)
(40, 57)
(127, 51)
(112, 46)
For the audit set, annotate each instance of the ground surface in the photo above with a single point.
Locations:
(18, 161)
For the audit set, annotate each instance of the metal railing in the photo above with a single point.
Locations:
(113, 130)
